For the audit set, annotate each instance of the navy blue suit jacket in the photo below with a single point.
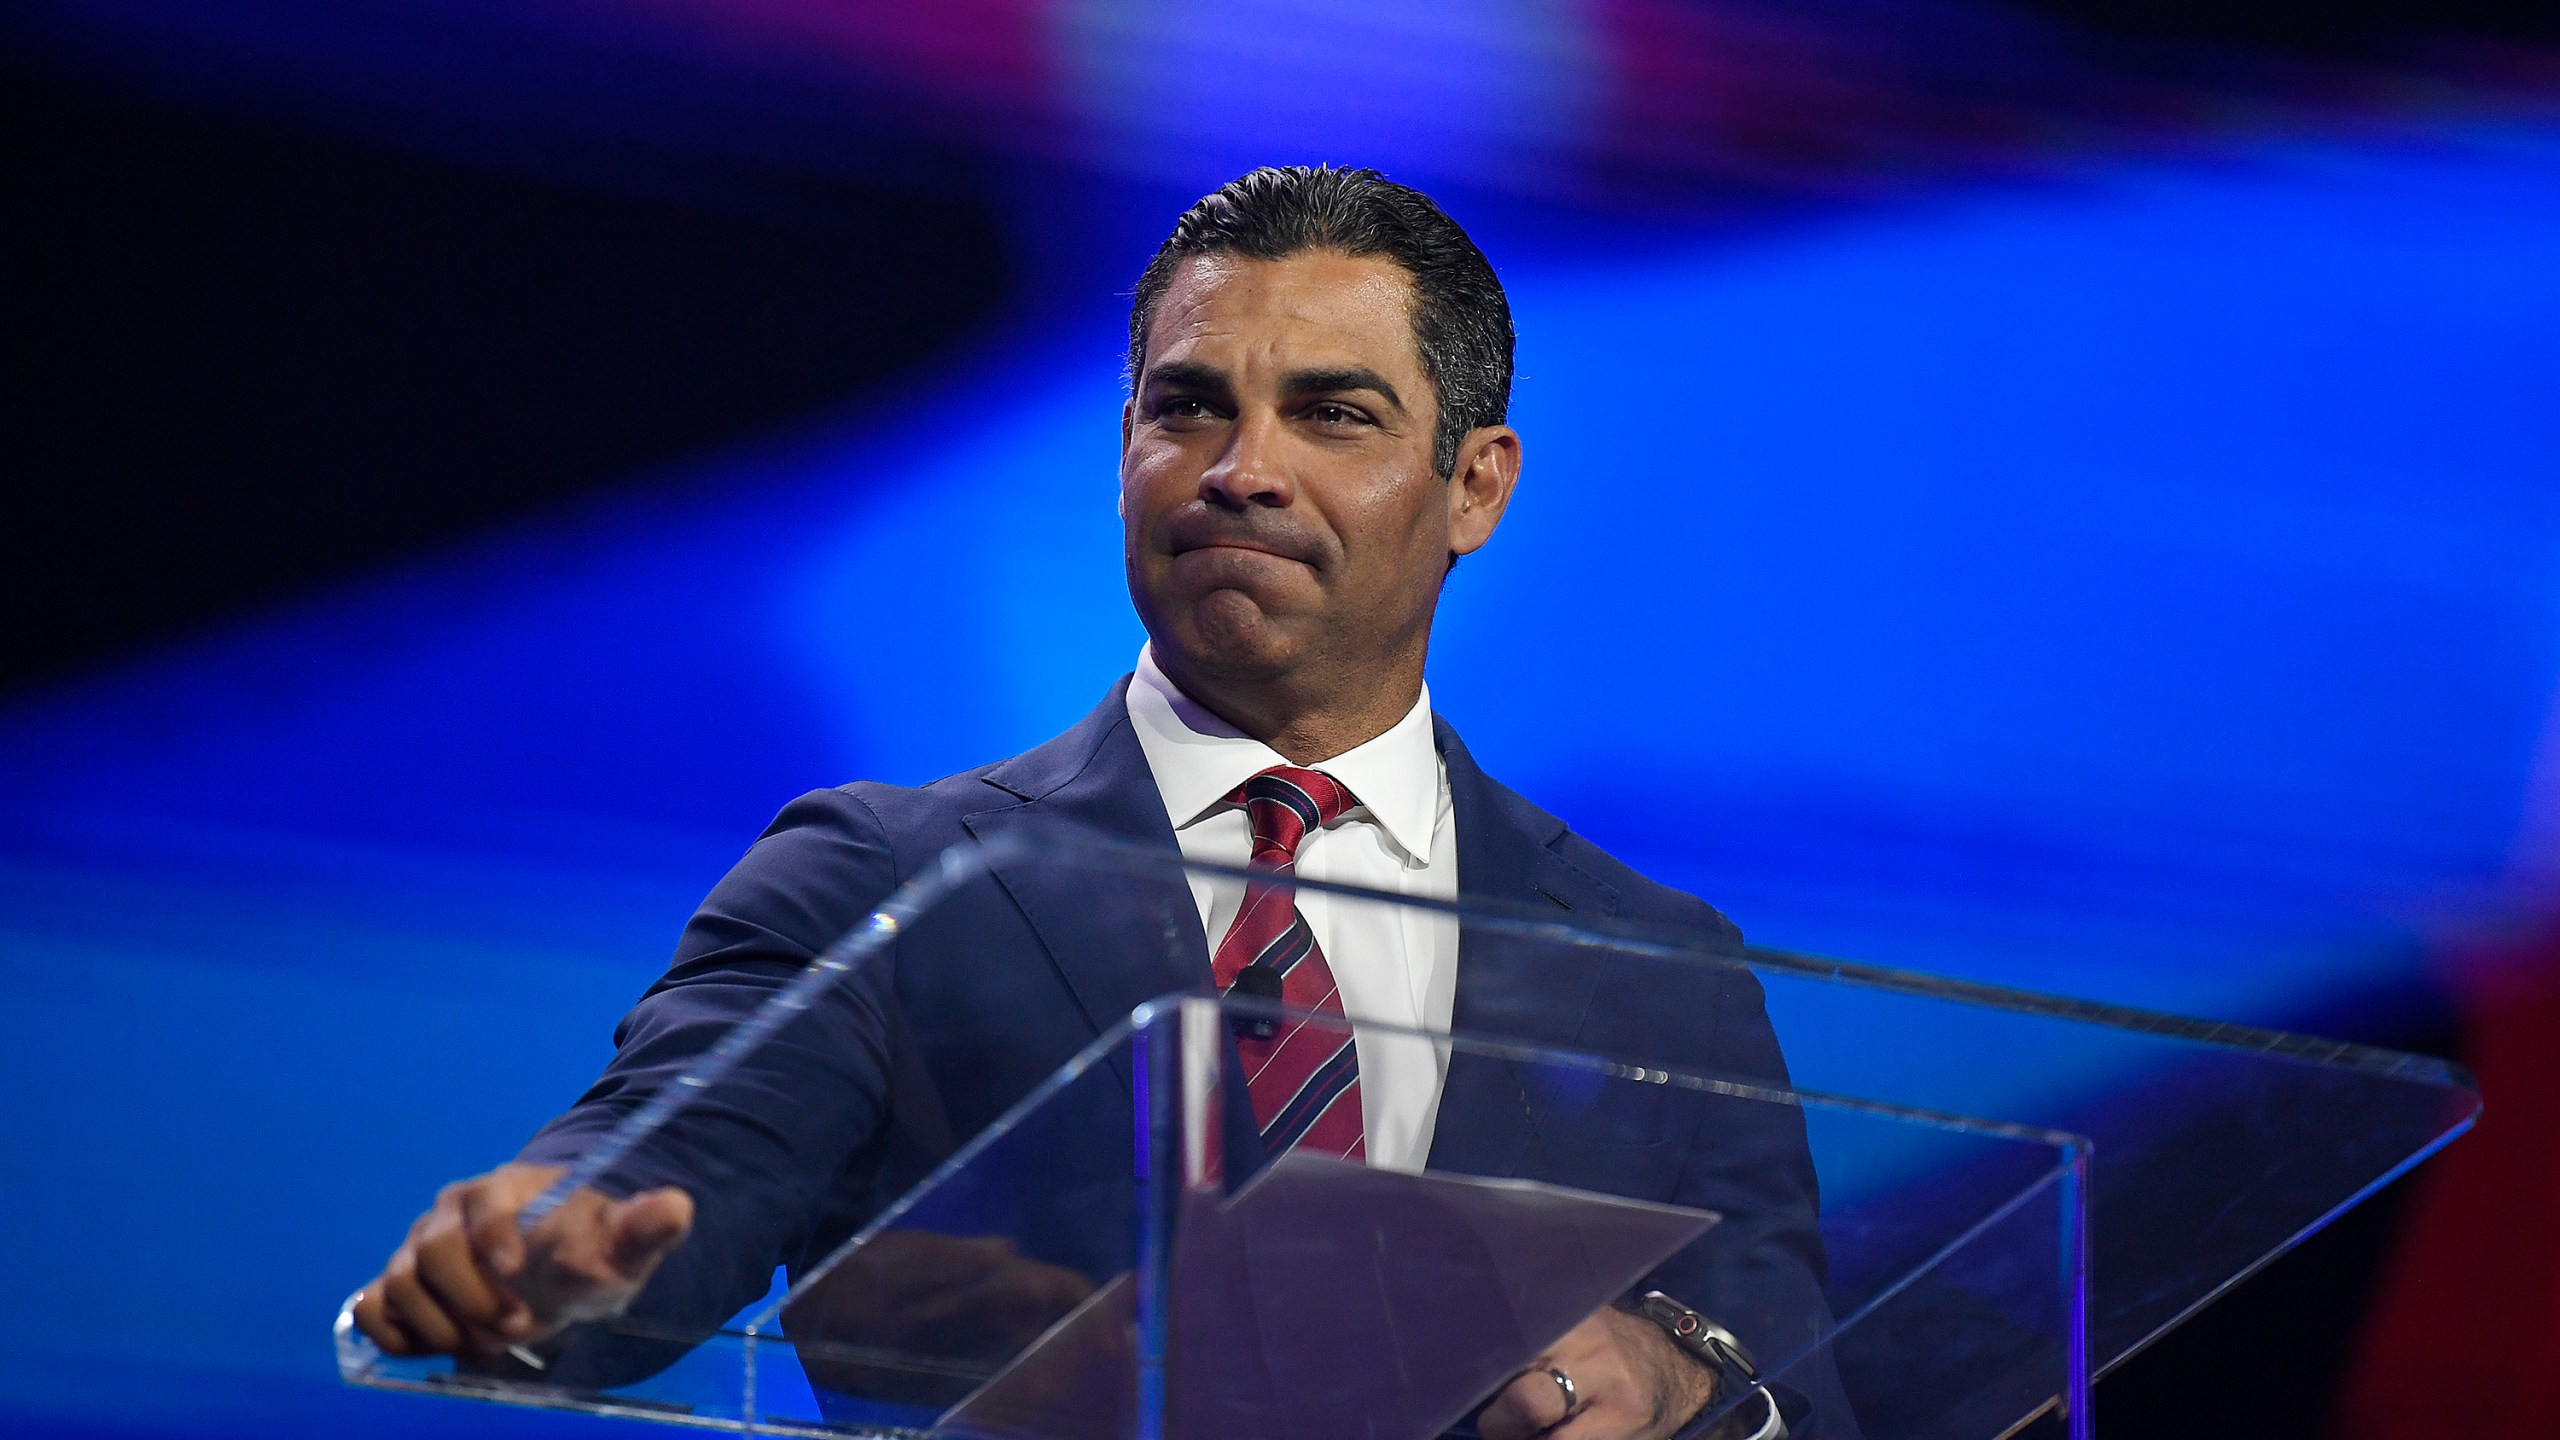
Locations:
(861, 1098)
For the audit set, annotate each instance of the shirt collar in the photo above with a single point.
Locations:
(1199, 759)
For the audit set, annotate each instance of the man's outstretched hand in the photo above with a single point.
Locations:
(1630, 1382)
(467, 1282)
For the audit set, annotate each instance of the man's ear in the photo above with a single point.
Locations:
(1480, 486)
(1128, 420)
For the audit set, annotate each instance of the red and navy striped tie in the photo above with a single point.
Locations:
(1305, 1079)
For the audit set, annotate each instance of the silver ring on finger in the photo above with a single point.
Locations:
(1564, 1386)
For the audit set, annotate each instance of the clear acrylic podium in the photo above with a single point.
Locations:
(1951, 1211)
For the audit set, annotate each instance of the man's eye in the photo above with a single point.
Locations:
(1180, 407)
(1329, 413)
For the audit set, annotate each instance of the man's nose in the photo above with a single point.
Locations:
(1247, 470)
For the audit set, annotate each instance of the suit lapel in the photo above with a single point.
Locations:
(1117, 942)
(1118, 939)
(1508, 987)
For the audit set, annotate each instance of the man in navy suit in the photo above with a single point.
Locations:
(1320, 365)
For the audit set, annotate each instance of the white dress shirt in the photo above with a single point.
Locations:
(1394, 966)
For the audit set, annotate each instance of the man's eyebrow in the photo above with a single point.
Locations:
(1355, 377)
(1187, 375)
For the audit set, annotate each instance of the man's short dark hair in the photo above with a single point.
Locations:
(1461, 319)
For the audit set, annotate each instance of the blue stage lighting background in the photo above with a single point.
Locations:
(2143, 584)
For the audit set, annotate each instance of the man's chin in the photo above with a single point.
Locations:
(1229, 636)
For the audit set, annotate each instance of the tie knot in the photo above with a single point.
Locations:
(1285, 803)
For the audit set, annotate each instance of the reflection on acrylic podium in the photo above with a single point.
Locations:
(1952, 1211)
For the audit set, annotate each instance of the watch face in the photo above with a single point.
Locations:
(1694, 1332)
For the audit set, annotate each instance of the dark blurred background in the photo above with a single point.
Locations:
(470, 463)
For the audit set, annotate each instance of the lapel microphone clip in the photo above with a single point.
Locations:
(1256, 981)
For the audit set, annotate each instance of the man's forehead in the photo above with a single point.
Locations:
(1317, 307)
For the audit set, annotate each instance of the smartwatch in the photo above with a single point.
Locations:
(1716, 1348)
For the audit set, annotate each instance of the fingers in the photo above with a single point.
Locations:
(489, 1210)
(445, 1290)
(449, 1267)
(414, 1311)
(374, 1319)
(1605, 1422)
(399, 1311)
(1629, 1383)
(1530, 1405)
(1533, 1403)
(434, 1287)
(468, 1280)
